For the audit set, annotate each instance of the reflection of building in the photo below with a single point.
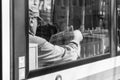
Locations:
(81, 12)
(68, 12)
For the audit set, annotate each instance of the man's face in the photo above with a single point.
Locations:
(33, 24)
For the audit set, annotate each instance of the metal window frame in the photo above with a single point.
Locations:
(39, 72)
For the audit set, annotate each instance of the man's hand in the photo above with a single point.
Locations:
(66, 36)
(77, 35)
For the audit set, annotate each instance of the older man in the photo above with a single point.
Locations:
(51, 53)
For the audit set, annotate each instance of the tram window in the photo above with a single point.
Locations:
(96, 35)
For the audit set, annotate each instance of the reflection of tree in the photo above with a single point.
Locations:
(83, 16)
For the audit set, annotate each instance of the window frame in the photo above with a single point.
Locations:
(47, 70)
(50, 69)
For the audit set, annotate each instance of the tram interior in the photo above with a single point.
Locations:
(91, 17)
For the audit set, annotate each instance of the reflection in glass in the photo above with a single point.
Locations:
(118, 29)
(69, 33)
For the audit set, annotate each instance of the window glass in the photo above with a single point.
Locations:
(118, 26)
(59, 2)
(96, 28)
(80, 32)
(65, 2)
(74, 2)
(80, 2)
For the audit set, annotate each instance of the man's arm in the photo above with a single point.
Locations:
(55, 53)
